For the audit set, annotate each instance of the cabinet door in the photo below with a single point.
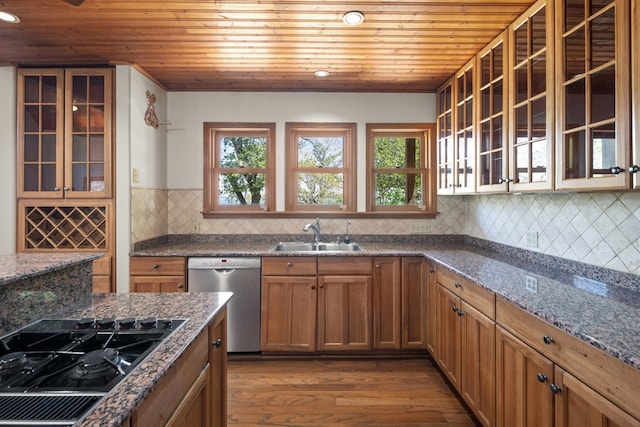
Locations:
(448, 335)
(345, 313)
(156, 284)
(477, 379)
(288, 313)
(414, 303)
(523, 377)
(464, 135)
(387, 303)
(444, 139)
(578, 405)
(432, 307)
(194, 410)
(218, 362)
(635, 91)
(593, 92)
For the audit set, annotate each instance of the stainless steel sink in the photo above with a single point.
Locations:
(315, 247)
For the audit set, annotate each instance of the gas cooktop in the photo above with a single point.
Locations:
(54, 370)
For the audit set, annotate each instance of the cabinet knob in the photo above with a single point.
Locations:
(454, 309)
(321, 286)
(504, 180)
(541, 378)
(555, 389)
(377, 265)
(180, 286)
(616, 170)
(313, 286)
(156, 266)
(460, 313)
(217, 343)
(56, 188)
(65, 188)
(289, 264)
(457, 285)
(547, 339)
(634, 169)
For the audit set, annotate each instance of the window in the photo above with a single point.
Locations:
(238, 167)
(321, 169)
(401, 165)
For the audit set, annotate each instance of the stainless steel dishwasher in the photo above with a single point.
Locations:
(242, 277)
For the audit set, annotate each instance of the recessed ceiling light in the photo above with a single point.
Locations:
(353, 17)
(9, 17)
(321, 73)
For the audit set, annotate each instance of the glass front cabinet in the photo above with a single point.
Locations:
(64, 133)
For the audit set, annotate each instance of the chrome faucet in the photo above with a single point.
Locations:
(315, 228)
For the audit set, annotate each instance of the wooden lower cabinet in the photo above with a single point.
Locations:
(448, 325)
(194, 410)
(387, 303)
(157, 274)
(345, 313)
(432, 306)
(414, 303)
(156, 284)
(218, 371)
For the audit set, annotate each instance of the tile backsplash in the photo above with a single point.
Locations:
(597, 228)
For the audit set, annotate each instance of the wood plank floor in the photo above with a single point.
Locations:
(341, 393)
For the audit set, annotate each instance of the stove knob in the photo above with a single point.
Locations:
(148, 323)
(107, 323)
(85, 323)
(128, 323)
(166, 324)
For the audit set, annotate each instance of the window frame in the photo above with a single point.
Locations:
(349, 132)
(427, 167)
(212, 171)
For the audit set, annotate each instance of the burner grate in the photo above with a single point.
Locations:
(44, 408)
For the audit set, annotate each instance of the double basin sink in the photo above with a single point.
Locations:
(315, 247)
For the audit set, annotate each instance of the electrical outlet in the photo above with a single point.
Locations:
(531, 239)
(135, 175)
(420, 227)
(531, 283)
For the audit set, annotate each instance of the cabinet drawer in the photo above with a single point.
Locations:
(609, 376)
(345, 265)
(482, 299)
(162, 266)
(289, 266)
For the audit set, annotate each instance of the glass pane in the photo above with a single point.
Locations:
(398, 189)
(470, 150)
(96, 148)
(496, 173)
(79, 118)
(49, 118)
(398, 152)
(49, 92)
(79, 89)
(485, 136)
(319, 151)
(31, 118)
(521, 80)
(573, 13)
(461, 89)
(96, 89)
(484, 169)
(486, 69)
(538, 31)
(538, 75)
(79, 177)
(539, 118)
(96, 177)
(522, 164)
(461, 116)
(496, 134)
(31, 148)
(241, 189)
(468, 75)
(522, 123)
(48, 178)
(603, 38)
(498, 58)
(603, 150)
(243, 151)
(49, 148)
(320, 189)
(521, 35)
(468, 181)
(575, 155)
(447, 125)
(79, 148)
(31, 89)
(497, 97)
(486, 102)
(575, 108)
(96, 118)
(468, 109)
(574, 54)
(539, 161)
(30, 177)
(603, 94)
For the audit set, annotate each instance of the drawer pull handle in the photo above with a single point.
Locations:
(555, 389)
(460, 313)
(217, 343)
(313, 286)
(155, 266)
(455, 309)
(541, 378)
(547, 339)
(289, 264)
(180, 286)
(457, 285)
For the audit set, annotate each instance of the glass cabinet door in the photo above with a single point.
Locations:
(40, 133)
(444, 140)
(464, 133)
(531, 100)
(593, 135)
(635, 74)
(492, 160)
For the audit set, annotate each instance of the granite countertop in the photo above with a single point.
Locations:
(21, 266)
(199, 309)
(599, 308)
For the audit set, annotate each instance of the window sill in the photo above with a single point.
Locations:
(326, 214)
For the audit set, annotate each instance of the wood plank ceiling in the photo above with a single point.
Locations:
(407, 46)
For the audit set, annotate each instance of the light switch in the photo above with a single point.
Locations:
(136, 175)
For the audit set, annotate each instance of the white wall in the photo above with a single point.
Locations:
(189, 110)
(7, 160)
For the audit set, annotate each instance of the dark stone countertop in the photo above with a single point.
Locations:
(15, 267)
(598, 306)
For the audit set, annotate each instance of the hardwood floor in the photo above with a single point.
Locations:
(341, 393)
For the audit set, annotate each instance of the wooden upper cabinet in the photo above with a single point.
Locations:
(444, 138)
(593, 94)
(635, 83)
(531, 99)
(64, 133)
